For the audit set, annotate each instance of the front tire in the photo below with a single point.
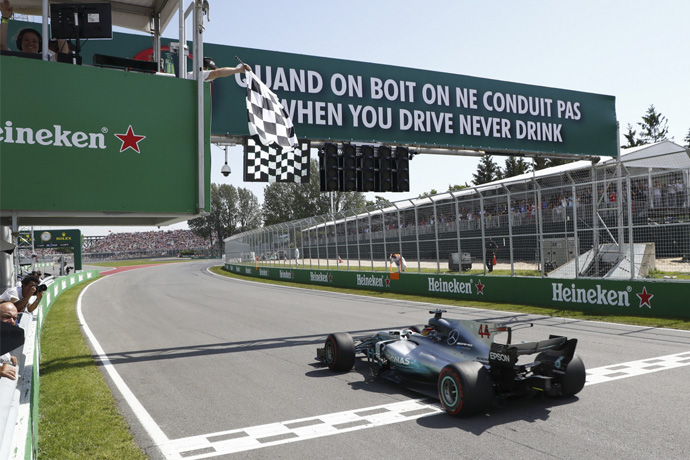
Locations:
(465, 388)
(339, 352)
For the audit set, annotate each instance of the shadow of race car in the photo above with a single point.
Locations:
(460, 362)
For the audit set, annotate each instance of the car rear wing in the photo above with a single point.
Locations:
(555, 347)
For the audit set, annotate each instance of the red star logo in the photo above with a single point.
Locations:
(480, 287)
(645, 297)
(130, 140)
(388, 282)
(330, 277)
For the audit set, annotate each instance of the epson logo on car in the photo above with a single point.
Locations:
(499, 357)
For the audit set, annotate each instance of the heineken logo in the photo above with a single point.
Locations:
(263, 272)
(286, 274)
(372, 281)
(130, 140)
(452, 286)
(319, 277)
(479, 286)
(597, 295)
(58, 136)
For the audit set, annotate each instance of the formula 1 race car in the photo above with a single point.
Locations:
(460, 363)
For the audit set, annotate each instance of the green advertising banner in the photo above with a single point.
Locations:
(621, 297)
(92, 141)
(356, 101)
(342, 100)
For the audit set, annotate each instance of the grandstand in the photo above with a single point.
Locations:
(133, 245)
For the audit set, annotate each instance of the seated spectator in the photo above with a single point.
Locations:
(8, 363)
(21, 295)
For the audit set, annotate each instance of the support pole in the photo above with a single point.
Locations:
(200, 131)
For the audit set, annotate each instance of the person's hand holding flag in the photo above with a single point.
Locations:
(268, 119)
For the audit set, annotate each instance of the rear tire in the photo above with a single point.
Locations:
(339, 352)
(465, 388)
(574, 378)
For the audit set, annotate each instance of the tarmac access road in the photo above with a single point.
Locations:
(204, 366)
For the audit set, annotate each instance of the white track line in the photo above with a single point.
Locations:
(159, 438)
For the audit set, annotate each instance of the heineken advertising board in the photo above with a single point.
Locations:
(621, 297)
(98, 144)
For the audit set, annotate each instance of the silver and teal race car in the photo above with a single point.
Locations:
(461, 363)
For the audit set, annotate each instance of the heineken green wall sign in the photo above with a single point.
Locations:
(621, 297)
(97, 144)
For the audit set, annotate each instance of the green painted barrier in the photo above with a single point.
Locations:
(651, 298)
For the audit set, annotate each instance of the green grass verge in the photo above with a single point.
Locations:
(634, 320)
(78, 416)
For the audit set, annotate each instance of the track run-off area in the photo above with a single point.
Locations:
(205, 366)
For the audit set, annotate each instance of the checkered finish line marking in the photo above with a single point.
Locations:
(257, 437)
(635, 368)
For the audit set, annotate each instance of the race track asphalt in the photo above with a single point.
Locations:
(212, 360)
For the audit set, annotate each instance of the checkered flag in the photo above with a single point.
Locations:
(267, 118)
(269, 164)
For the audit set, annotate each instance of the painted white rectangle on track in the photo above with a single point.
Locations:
(635, 368)
(256, 437)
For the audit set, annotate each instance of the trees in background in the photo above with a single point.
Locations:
(653, 128)
(233, 210)
(487, 171)
(284, 202)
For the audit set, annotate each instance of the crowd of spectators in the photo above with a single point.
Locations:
(556, 203)
(146, 241)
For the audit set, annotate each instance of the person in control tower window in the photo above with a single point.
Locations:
(28, 40)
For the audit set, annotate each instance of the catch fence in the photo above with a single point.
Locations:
(618, 220)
